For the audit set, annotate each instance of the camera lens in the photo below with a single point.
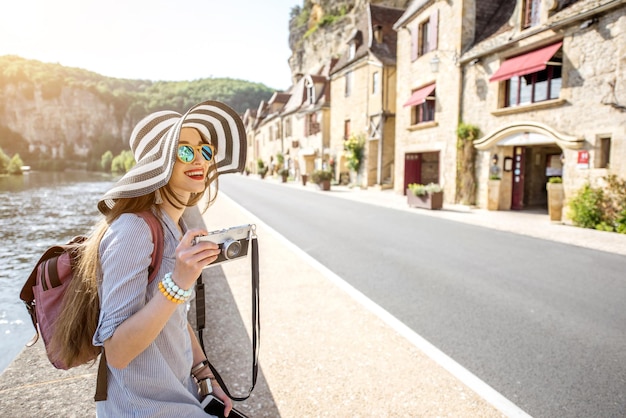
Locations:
(231, 249)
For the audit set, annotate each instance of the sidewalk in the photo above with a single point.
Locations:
(535, 223)
(324, 351)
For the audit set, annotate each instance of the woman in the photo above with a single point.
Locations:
(155, 363)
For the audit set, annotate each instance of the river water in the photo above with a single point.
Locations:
(37, 210)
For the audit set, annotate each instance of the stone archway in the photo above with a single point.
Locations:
(525, 152)
(527, 133)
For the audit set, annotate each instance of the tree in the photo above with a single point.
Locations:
(4, 162)
(15, 165)
(106, 160)
(122, 162)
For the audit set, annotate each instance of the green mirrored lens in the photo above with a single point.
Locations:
(186, 153)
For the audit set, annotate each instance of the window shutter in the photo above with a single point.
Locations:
(432, 29)
(414, 42)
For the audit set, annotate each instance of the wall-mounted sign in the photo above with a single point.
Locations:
(508, 163)
(583, 159)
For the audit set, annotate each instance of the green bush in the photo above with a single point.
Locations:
(585, 207)
(601, 208)
(555, 180)
(355, 147)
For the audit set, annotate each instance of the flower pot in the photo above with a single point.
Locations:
(304, 179)
(556, 195)
(284, 178)
(431, 201)
(493, 195)
(325, 185)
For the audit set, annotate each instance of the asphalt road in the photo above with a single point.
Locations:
(541, 322)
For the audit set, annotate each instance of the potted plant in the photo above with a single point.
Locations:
(428, 196)
(556, 195)
(493, 192)
(322, 178)
(284, 174)
(261, 168)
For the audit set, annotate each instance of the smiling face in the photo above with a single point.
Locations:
(190, 177)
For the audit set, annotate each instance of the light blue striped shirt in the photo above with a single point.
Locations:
(157, 383)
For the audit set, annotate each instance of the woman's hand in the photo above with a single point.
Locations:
(190, 258)
(220, 394)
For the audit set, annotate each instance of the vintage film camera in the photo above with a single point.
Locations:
(233, 242)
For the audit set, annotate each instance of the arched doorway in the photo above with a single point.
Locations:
(529, 154)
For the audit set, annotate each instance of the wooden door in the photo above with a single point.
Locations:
(517, 197)
(412, 169)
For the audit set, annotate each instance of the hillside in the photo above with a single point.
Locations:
(65, 111)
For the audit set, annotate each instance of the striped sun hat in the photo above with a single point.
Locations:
(154, 142)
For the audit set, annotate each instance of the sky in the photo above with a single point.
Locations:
(169, 40)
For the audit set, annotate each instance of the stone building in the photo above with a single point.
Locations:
(429, 77)
(267, 133)
(546, 83)
(363, 91)
(306, 123)
(543, 80)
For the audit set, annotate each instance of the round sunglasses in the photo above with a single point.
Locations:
(187, 153)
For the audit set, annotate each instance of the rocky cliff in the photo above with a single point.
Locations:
(319, 30)
(69, 123)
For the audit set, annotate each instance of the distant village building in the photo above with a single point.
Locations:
(363, 86)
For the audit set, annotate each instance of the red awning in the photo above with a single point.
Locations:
(531, 62)
(420, 95)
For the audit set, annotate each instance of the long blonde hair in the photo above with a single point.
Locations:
(79, 317)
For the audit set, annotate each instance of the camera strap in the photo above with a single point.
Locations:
(256, 321)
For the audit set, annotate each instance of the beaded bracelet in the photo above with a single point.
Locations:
(172, 291)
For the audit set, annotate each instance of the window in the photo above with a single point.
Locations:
(346, 129)
(288, 127)
(422, 103)
(536, 87)
(424, 36)
(348, 78)
(531, 77)
(424, 45)
(312, 126)
(352, 50)
(375, 82)
(605, 153)
(424, 112)
(310, 93)
(532, 10)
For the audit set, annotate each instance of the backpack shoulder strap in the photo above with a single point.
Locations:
(158, 240)
(157, 256)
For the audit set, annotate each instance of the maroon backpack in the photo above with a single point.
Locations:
(44, 290)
